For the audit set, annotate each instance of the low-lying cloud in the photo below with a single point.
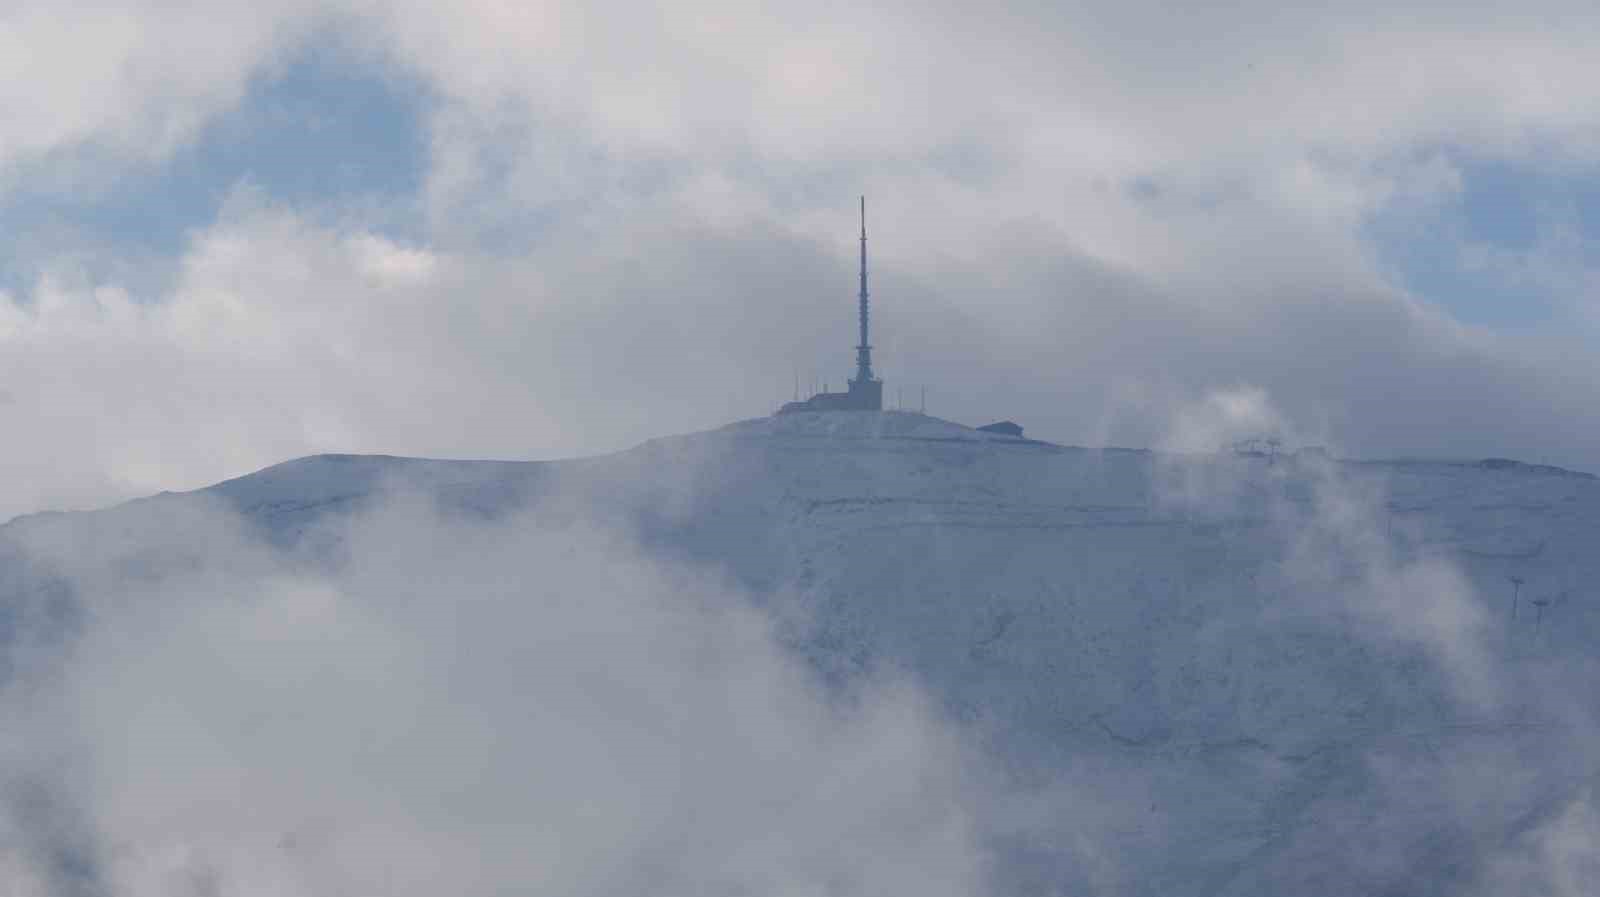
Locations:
(1289, 691)
(472, 708)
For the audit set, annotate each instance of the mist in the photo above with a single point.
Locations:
(1220, 671)
(458, 706)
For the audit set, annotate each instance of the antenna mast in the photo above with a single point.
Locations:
(864, 351)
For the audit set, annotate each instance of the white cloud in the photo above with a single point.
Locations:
(1225, 418)
(636, 220)
(466, 707)
(137, 79)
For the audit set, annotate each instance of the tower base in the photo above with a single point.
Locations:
(864, 395)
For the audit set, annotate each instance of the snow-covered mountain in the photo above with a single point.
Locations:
(1186, 674)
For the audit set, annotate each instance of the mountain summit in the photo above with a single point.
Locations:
(1229, 674)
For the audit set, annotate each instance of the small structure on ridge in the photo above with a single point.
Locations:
(1004, 428)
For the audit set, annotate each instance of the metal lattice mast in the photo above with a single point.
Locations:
(864, 351)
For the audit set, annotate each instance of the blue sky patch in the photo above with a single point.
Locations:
(1499, 252)
(324, 130)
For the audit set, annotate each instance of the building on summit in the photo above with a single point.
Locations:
(1003, 428)
(865, 391)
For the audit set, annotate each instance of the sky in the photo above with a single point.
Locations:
(246, 232)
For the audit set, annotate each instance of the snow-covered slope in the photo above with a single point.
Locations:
(1218, 674)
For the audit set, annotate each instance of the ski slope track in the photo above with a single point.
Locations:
(1199, 674)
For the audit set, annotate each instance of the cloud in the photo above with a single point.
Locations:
(133, 79)
(635, 220)
(285, 335)
(411, 693)
(1556, 855)
(455, 705)
(1225, 418)
(1454, 760)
